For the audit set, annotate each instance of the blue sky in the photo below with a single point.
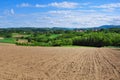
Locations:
(59, 13)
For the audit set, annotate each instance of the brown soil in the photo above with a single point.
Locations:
(22, 41)
(1, 38)
(55, 63)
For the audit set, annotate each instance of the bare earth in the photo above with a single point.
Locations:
(55, 63)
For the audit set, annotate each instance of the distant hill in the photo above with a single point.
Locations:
(109, 26)
(61, 28)
(100, 27)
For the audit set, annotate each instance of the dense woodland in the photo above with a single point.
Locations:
(61, 37)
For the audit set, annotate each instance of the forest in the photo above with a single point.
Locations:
(61, 37)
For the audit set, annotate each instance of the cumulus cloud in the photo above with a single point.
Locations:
(63, 18)
(39, 5)
(112, 5)
(12, 11)
(64, 4)
(9, 12)
(69, 16)
(24, 5)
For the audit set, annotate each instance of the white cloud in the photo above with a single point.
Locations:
(60, 12)
(109, 6)
(9, 12)
(64, 4)
(12, 11)
(62, 18)
(24, 5)
(39, 5)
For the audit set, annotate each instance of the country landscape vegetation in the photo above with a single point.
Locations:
(60, 40)
(61, 36)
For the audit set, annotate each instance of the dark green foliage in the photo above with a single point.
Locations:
(62, 42)
(52, 37)
(98, 39)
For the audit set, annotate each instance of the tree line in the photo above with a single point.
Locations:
(49, 37)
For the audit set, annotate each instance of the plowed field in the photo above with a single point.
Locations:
(59, 63)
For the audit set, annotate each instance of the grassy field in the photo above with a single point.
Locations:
(19, 35)
(7, 40)
(54, 36)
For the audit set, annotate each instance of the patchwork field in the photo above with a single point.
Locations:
(57, 63)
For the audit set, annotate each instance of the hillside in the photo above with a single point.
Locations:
(61, 37)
